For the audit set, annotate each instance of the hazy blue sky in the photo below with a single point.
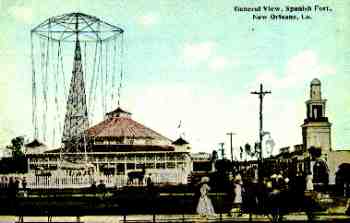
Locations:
(197, 61)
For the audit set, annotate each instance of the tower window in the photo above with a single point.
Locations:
(317, 112)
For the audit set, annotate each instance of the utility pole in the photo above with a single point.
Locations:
(231, 134)
(222, 150)
(261, 94)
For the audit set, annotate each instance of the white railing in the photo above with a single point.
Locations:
(158, 176)
(74, 181)
(172, 176)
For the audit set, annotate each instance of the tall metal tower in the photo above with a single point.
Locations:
(76, 119)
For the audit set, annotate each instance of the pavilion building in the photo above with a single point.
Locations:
(119, 145)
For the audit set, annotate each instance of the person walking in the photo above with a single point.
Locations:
(24, 183)
(24, 186)
(149, 182)
(205, 207)
(101, 188)
(309, 183)
(237, 201)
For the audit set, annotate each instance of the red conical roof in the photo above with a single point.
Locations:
(117, 125)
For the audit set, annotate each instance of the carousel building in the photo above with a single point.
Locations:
(121, 145)
(117, 146)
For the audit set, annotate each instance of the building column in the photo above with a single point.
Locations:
(115, 166)
(125, 165)
(97, 166)
(28, 164)
(135, 161)
(155, 161)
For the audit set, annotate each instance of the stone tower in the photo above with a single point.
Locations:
(316, 129)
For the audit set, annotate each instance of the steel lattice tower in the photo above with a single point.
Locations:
(76, 118)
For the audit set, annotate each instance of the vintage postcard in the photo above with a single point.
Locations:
(174, 111)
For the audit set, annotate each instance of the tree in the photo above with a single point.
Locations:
(16, 147)
(248, 149)
(18, 162)
(214, 156)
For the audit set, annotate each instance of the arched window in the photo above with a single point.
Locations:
(320, 172)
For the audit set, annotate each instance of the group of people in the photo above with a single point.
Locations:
(100, 188)
(251, 196)
(11, 186)
(13, 183)
(205, 207)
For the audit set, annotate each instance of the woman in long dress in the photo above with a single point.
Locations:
(237, 202)
(205, 207)
(309, 183)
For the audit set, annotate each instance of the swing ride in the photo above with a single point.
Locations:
(77, 78)
(96, 48)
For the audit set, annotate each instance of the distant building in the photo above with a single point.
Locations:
(294, 151)
(317, 137)
(202, 162)
(35, 147)
(5, 153)
(334, 160)
(320, 159)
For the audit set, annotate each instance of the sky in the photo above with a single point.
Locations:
(197, 62)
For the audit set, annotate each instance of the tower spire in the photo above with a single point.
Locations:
(76, 118)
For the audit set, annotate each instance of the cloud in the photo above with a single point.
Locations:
(148, 20)
(206, 54)
(218, 64)
(302, 67)
(22, 13)
(268, 77)
(196, 53)
(305, 66)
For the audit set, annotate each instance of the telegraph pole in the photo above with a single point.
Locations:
(231, 134)
(261, 94)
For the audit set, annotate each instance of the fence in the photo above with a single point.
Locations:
(172, 176)
(67, 181)
(64, 181)
(75, 181)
